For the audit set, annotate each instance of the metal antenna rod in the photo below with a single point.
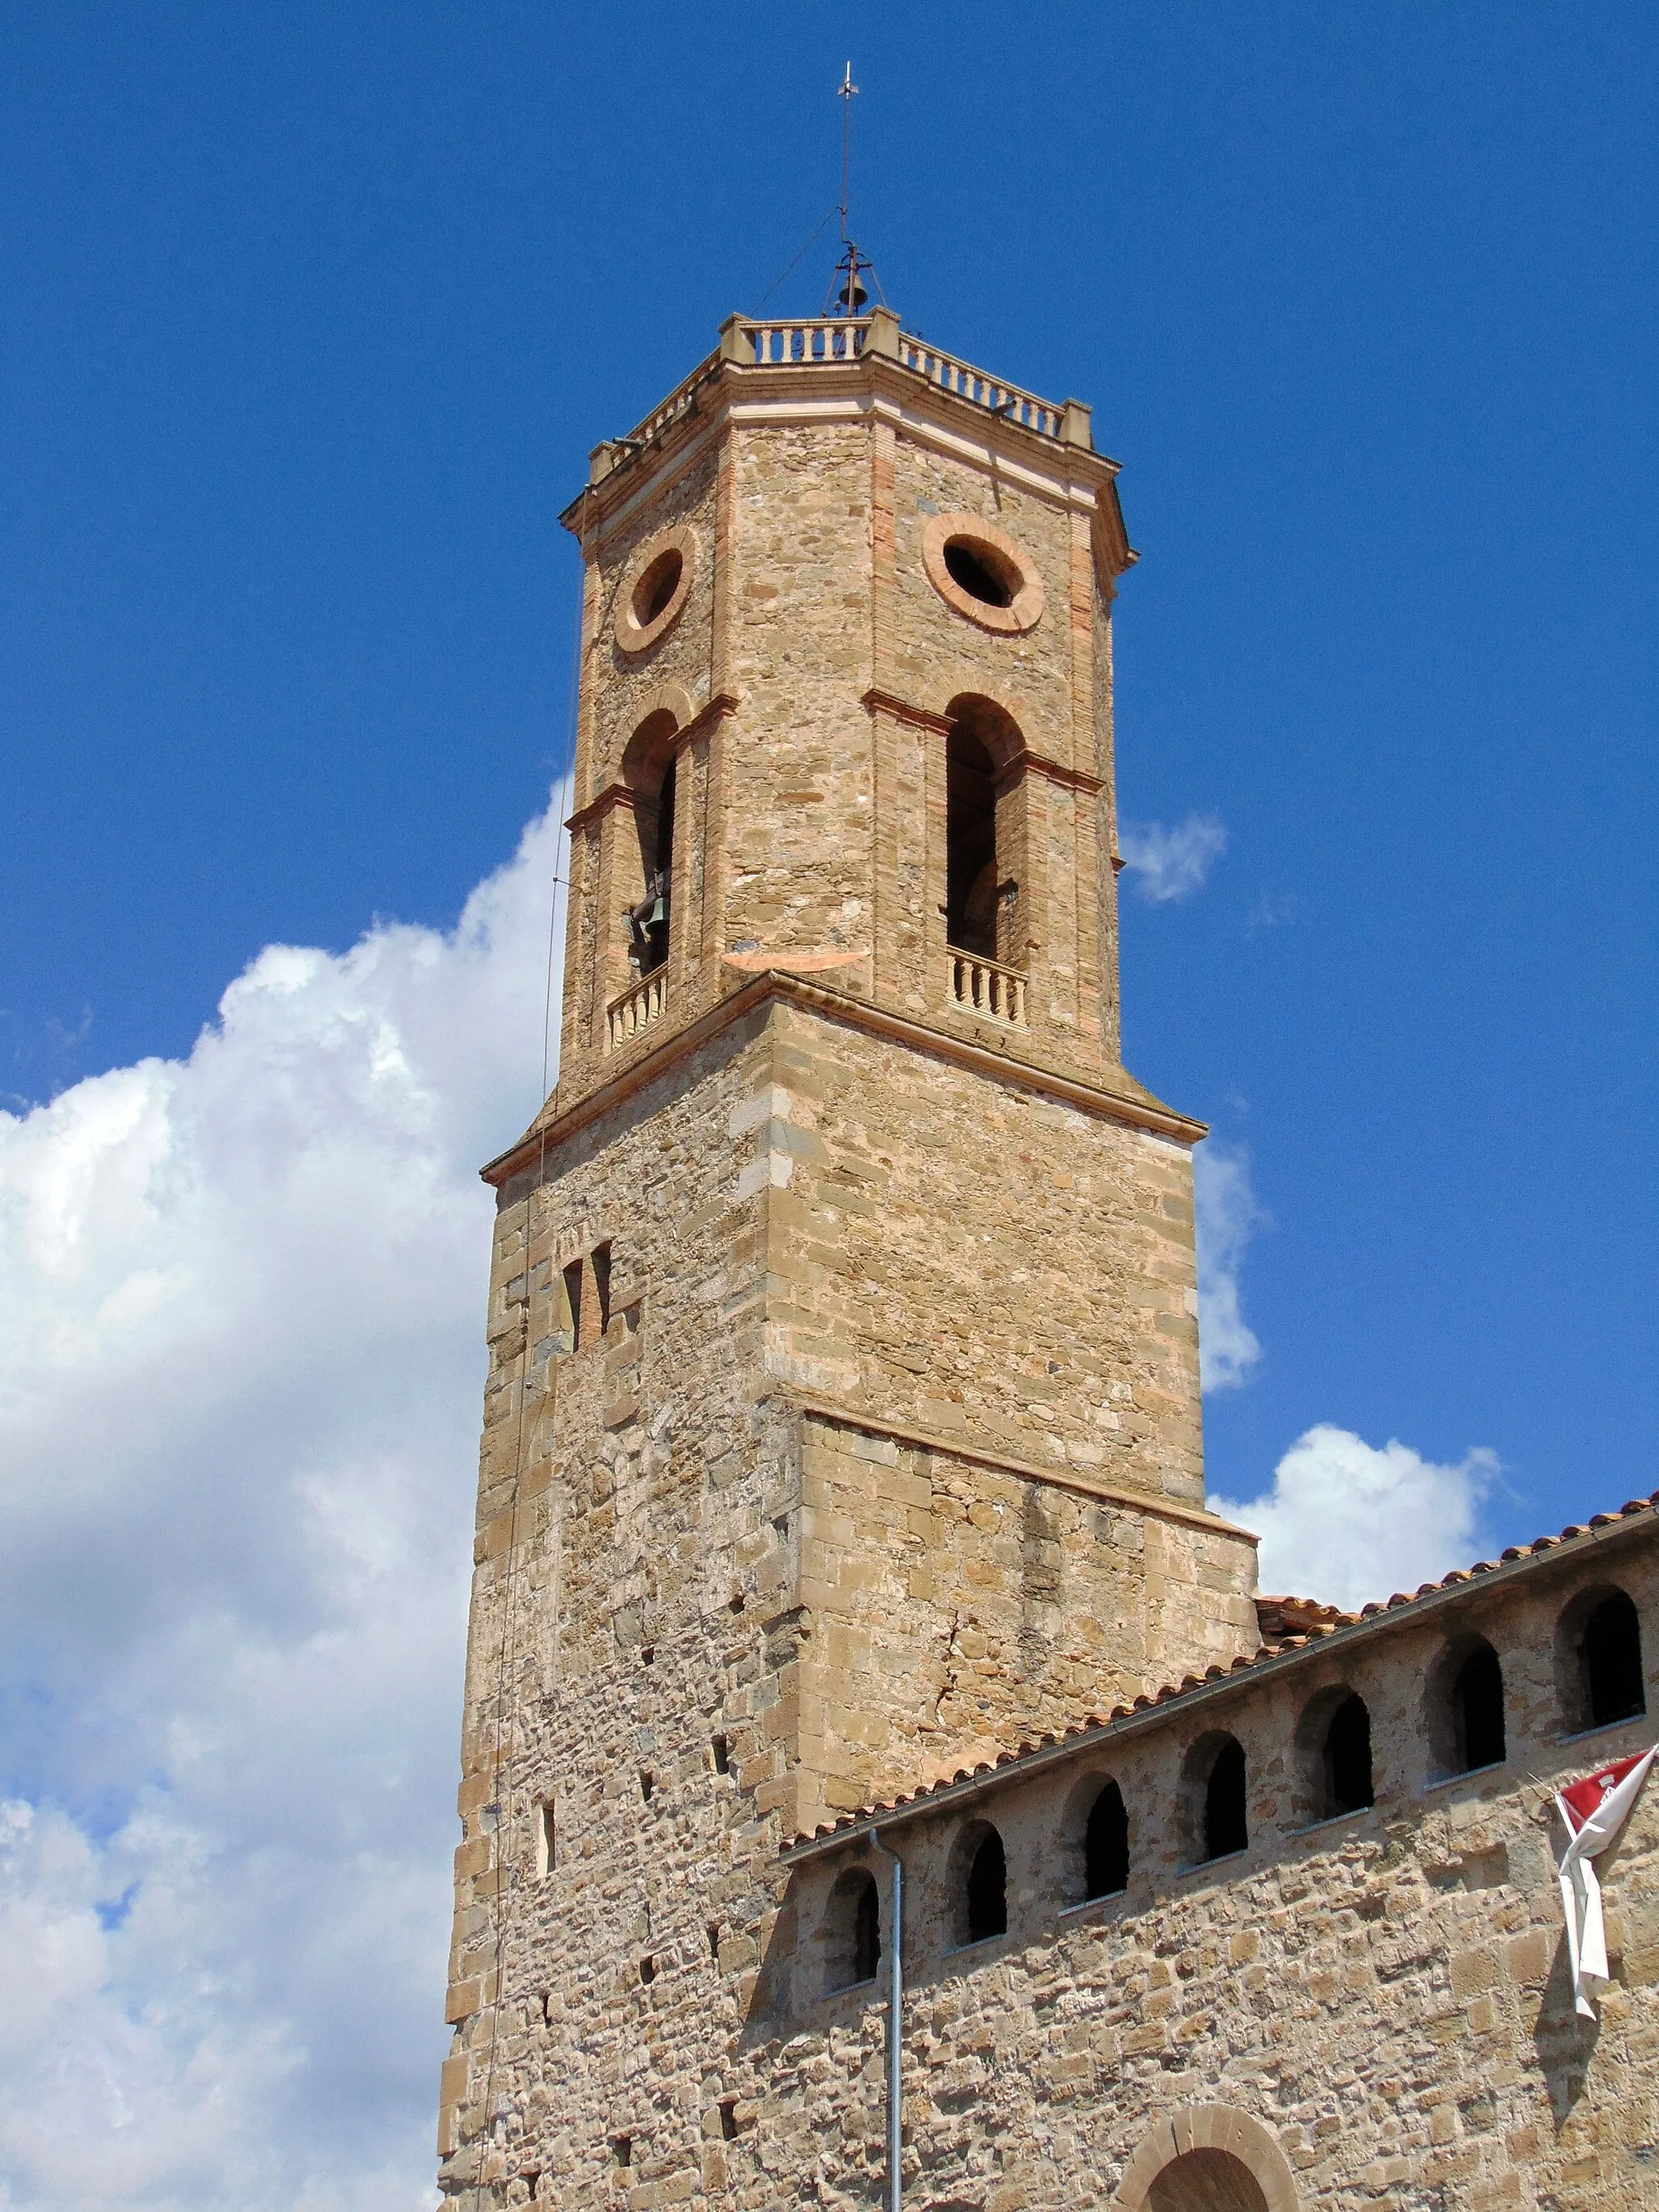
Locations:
(845, 92)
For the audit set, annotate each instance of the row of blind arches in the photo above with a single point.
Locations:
(1600, 1647)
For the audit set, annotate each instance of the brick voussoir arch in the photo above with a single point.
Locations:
(667, 699)
(1214, 2128)
(966, 682)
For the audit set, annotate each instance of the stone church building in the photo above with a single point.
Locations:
(846, 1594)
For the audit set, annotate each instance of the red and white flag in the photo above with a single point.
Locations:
(1595, 1810)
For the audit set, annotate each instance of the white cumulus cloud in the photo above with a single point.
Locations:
(1171, 863)
(1227, 1215)
(1347, 1523)
(241, 1299)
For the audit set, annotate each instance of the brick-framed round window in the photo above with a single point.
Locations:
(654, 588)
(982, 573)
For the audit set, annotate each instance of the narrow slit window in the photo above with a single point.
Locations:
(546, 1838)
(722, 1751)
(602, 1284)
(573, 1298)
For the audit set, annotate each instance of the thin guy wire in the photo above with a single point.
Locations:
(790, 270)
(561, 879)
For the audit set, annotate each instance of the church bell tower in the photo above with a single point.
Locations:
(842, 1428)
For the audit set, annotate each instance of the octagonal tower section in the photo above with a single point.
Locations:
(845, 703)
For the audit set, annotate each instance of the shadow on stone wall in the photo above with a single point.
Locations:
(1563, 2039)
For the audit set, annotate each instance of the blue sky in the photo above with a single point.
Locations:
(310, 317)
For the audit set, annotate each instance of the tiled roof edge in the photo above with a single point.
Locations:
(1270, 1658)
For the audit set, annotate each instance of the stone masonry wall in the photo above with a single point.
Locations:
(957, 1609)
(684, 1573)
(623, 1631)
(799, 822)
(1386, 1991)
(978, 1259)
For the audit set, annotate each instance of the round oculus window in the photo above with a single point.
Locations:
(657, 586)
(654, 591)
(982, 573)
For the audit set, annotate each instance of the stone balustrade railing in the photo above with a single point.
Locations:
(973, 384)
(985, 988)
(833, 340)
(777, 343)
(637, 1009)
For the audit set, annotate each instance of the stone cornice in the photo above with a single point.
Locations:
(1144, 1112)
(1058, 1477)
(727, 391)
(613, 795)
(1074, 779)
(713, 710)
(906, 710)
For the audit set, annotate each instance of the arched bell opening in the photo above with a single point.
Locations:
(649, 770)
(985, 831)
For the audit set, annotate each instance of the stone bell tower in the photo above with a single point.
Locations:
(843, 1424)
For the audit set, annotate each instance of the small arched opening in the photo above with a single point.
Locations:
(851, 1930)
(1599, 1659)
(1206, 2181)
(1106, 1844)
(649, 770)
(1336, 1743)
(1345, 1760)
(979, 1884)
(1465, 1715)
(1333, 1755)
(1213, 1809)
(1207, 2157)
(985, 809)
